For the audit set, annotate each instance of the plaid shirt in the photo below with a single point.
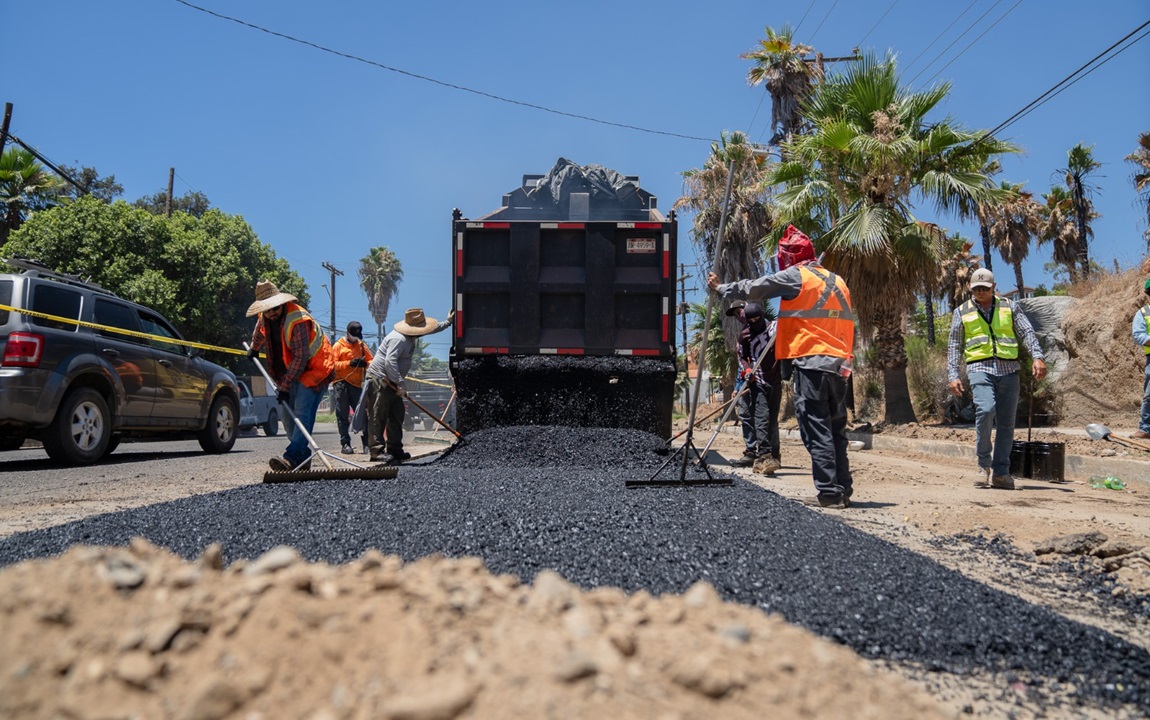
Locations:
(955, 349)
(298, 346)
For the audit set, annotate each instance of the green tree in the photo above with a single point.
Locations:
(104, 188)
(1079, 166)
(192, 202)
(779, 65)
(1140, 159)
(200, 273)
(748, 218)
(25, 186)
(871, 156)
(380, 274)
(722, 361)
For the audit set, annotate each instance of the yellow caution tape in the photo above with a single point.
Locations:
(429, 382)
(122, 331)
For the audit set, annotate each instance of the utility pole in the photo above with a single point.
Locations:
(684, 308)
(171, 182)
(334, 272)
(4, 127)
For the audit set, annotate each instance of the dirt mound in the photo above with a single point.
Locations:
(1103, 379)
(138, 632)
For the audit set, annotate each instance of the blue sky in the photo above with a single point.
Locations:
(327, 156)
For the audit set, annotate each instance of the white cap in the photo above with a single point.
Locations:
(982, 278)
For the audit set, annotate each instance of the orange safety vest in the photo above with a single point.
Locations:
(819, 320)
(344, 352)
(321, 364)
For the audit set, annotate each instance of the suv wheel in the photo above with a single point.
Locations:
(219, 435)
(81, 430)
(272, 426)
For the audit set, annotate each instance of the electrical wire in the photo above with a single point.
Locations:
(868, 32)
(1066, 82)
(972, 43)
(820, 27)
(453, 86)
(948, 47)
(804, 17)
(938, 37)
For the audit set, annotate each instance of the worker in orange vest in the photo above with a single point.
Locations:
(351, 360)
(299, 360)
(815, 342)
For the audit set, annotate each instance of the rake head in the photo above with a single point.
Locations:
(388, 472)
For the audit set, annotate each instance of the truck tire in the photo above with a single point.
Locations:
(82, 429)
(219, 435)
(272, 426)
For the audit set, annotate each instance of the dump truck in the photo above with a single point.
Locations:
(564, 300)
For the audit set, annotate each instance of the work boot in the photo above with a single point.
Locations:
(983, 479)
(279, 464)
(831, 502)
(1003, 482)
(1139, 435)
(347, 449)
(767, 465)
(746, 460)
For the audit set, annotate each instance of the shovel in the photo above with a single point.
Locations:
(1098, 431)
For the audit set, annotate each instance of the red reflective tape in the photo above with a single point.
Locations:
(644, 352)
(570, 226)
(569, 351)
(459, 262)
(458, 323)
(665, 316)
(648, 225)
(495, 226)
(666, 264)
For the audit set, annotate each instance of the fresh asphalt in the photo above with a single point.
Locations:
(525, 499)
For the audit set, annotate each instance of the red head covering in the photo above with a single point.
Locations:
(795, 248)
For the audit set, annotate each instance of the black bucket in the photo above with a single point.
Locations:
(1021, 453)
(1048, 461)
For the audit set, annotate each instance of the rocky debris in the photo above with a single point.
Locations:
(1074, 544)
(436, 639)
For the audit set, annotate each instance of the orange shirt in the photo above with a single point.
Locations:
(344, 353)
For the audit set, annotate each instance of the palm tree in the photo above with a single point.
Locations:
(722, 360)
(380, 275)
(1060, 228)
(981, 211)
(1080, 163)
(1140, 159)
(1014, 223)
(25, 186)
(956, 268)
(871, 156)
(779, 65)
(748, 218)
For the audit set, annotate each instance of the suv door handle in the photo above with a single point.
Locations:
(110, 352)
(165, 363)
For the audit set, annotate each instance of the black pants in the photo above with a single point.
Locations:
(759, 413)
(820, 404)
(346, 398)
(385, 412)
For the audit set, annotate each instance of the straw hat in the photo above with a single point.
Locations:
(268, 296)
(415, 323)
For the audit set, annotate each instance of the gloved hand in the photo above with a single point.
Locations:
(400, 391)
(253, 354)
(283, 396)
(745, 373)
(358, 362)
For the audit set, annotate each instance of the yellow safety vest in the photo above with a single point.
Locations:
(985, 341)
(1146, 317)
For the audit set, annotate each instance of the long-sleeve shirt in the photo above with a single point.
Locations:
(751, 345)
(956, 347)
(345, 350)
(1138, 331)
(298, 345)
(785, 284)
(392, 359)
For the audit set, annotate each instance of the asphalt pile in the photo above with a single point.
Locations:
(526, 499)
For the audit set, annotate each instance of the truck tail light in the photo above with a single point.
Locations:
(23, 350)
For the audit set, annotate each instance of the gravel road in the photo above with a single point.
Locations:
(526, 499)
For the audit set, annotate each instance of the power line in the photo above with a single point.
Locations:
(804, 17)
(984, 32)
(952, 42)
(820, 27)
(868, 32)
(442, 83)
(938, 37)
(1066, 82)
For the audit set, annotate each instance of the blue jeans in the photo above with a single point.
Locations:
(304, 403)
(995, 406)
(1144, 421)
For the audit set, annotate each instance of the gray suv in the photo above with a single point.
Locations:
(80, 390)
